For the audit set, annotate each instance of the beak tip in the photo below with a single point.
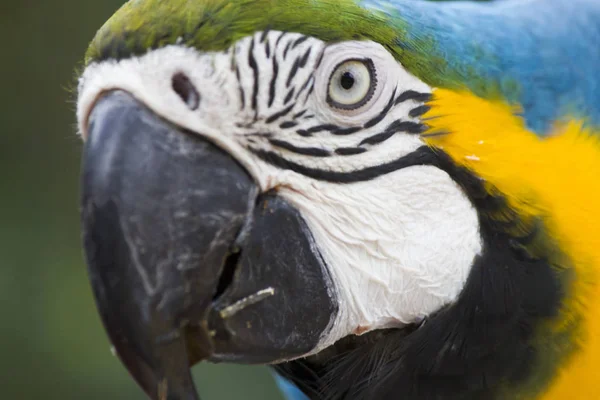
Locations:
(164, 374)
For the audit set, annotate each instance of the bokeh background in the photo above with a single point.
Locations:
(52, 345)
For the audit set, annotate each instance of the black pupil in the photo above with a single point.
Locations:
(347, 80)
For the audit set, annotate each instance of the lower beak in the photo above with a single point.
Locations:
(187, 260)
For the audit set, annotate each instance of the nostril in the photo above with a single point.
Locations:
(183, 86)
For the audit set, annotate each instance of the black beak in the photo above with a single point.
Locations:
(188, 261)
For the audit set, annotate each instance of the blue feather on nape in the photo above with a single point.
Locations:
(290, 391)
(540, 54)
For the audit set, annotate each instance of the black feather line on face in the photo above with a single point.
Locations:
(475, 348)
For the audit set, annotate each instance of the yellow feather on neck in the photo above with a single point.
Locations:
(556, 178)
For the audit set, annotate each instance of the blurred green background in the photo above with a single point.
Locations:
(52, 344)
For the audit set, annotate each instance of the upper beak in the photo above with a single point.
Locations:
(188, 261)
(161, 210)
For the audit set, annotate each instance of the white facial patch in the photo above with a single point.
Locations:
(399, 247)
(322, 124)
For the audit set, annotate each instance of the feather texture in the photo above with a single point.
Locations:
(541, 54)
(554, 179)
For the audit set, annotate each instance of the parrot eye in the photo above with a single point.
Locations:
(352, 84)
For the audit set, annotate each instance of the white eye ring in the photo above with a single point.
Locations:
(352, 84)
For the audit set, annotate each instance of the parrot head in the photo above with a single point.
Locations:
(264, 182)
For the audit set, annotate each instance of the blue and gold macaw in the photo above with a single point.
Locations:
(381, 199)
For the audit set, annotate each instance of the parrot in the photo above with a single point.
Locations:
(376, 199)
